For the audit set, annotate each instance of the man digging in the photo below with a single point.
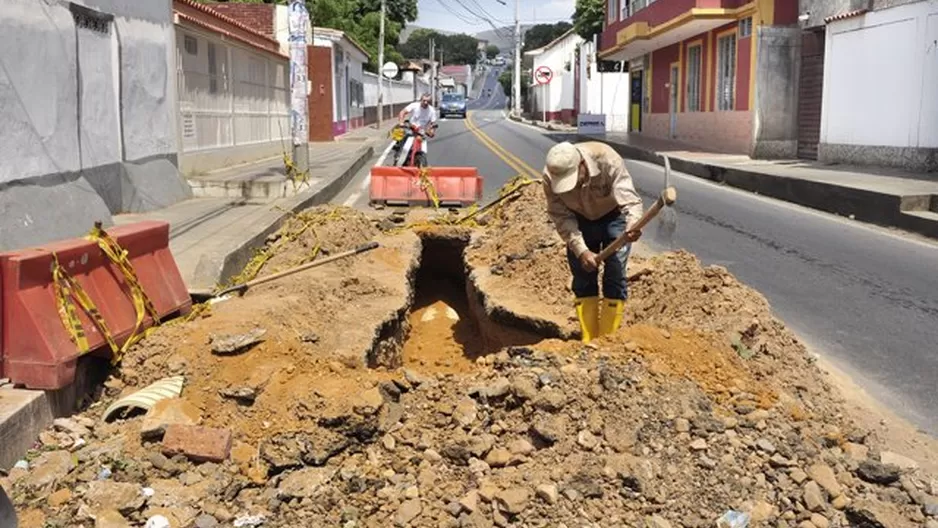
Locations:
(591, 200)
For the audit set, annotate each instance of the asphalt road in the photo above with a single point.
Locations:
(865, 298)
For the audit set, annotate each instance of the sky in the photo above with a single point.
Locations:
(437, 14)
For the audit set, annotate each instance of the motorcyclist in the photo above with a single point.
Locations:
(420, 113)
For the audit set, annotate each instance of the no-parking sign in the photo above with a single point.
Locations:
(543, 75)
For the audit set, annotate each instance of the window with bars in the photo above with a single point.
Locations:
(726, 72)
(693, 78)
(745, 27)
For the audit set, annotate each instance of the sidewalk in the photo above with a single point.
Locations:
(883, 196)
(214, 235)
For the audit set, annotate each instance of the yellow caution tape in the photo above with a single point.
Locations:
(426, 185)
(67, 288)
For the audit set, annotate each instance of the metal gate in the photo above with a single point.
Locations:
(810, 93)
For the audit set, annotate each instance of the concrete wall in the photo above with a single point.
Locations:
(88, 116)
(775, 114)
(884, 63)
(604, 93)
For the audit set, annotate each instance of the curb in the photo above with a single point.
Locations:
(888, 210)
(210, 272)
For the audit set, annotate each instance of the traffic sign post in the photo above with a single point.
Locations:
(543, 76)
(390, 70)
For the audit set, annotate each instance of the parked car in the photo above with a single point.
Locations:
(453, 104)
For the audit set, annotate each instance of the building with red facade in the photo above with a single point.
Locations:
(719, 74)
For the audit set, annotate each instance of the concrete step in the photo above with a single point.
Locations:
(922, 222)
(262, 188)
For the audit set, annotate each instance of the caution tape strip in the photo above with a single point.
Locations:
(69, 291)
(426, 185)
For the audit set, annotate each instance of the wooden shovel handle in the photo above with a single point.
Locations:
(667, 197)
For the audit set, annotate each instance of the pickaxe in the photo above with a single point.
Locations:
(665, 199)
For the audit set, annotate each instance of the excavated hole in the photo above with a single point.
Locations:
(447, 327)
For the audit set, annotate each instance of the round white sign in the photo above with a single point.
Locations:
(389, 70)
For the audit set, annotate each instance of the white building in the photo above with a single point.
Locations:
(880, 87)
(554, 100)
(602, 93)
(576, 85)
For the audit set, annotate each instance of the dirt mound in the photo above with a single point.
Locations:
(702, 403)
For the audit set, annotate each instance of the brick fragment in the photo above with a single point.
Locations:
(200, 444)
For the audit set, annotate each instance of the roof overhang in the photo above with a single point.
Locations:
(639, 38)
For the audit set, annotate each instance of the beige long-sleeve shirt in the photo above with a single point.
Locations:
(609, 187)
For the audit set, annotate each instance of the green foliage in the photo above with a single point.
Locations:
(588, 17)
(506, 78)
(457, 49)
(491, 51)
(543, 34)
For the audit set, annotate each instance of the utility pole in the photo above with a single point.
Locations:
(381, 67)
(298, 23)
(433, 71)
(516, 96)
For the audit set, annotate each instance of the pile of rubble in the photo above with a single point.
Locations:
(704, 407)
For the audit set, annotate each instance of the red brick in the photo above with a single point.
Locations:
(201, 444)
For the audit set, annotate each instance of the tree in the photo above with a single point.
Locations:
(457, 49)
(418, 43)
(588, 18)
(505, 79)
(460, 49)
(491, 51)
(543, 34)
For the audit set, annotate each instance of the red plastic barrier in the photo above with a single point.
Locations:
(35, 347)
(459, 185)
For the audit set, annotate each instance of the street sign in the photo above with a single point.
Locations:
(543, 75)
(389, 70)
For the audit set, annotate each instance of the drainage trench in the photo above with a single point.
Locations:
(446, 328)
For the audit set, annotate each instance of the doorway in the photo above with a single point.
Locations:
(635, 106)
(810, 94)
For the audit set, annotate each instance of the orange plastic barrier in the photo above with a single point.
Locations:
(401, 185)
(36, 348)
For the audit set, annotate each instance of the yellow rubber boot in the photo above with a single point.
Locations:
(611, 316)
(587, 311)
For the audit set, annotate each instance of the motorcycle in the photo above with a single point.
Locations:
(410, 141)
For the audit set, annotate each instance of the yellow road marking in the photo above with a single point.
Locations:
(510, 159)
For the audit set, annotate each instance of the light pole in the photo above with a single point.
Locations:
(516, 84)
(381, 68)
(298, 20)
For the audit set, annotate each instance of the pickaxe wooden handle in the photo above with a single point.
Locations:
(667, 197)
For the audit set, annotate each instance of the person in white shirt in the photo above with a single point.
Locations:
(422, 114)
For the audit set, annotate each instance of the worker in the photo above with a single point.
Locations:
(591, 201)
